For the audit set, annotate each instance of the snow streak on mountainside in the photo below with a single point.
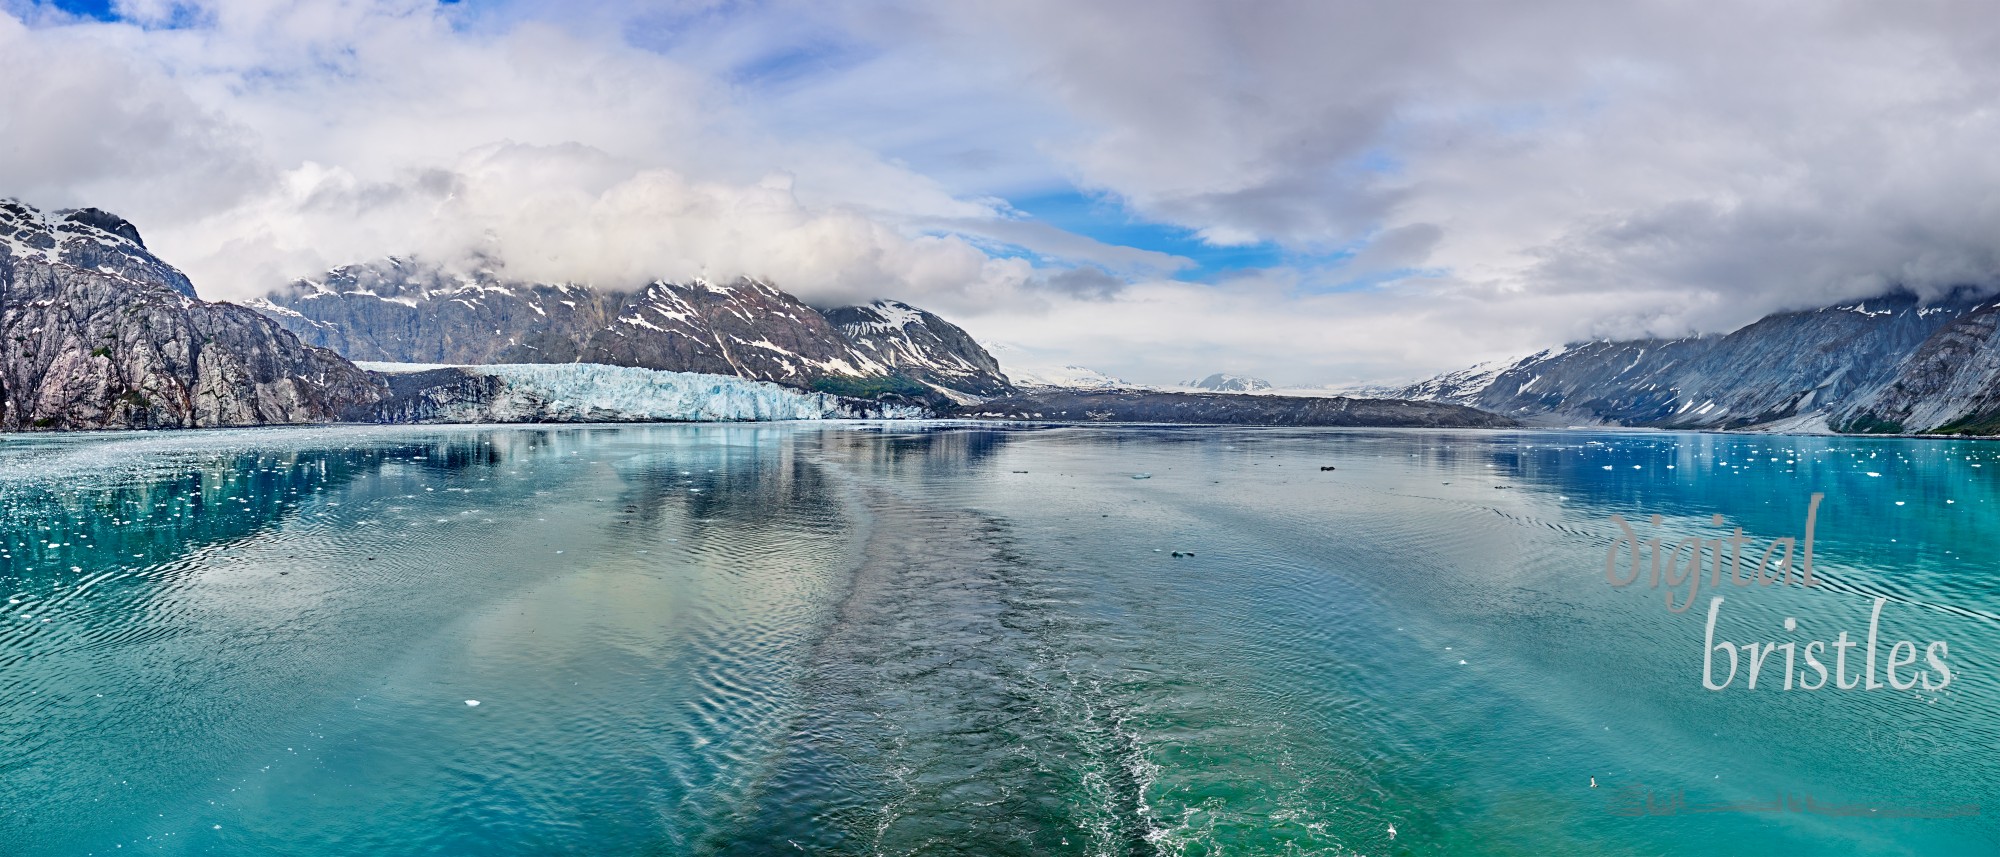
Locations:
(96, 332)
(1891, 363)
(406, 311)
(1463, 386)
(747, 328)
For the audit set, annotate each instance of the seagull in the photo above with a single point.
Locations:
(1392, 831)
(1593, 782)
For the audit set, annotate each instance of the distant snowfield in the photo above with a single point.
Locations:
(1027, 369)
(589, 392)
(1023, 367)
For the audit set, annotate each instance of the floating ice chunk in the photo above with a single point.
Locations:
(474, 703)
(1142, 476)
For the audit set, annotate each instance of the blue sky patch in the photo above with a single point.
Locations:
(1109, 222)
(99, 9)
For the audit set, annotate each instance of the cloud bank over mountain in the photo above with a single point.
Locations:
(1312, 191)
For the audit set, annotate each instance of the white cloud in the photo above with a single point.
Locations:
(272, 140)
(1555, 170)
(1663, 171)
(572, 213)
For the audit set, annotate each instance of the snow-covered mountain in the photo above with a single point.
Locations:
(1028, 371)
(1072, 377)
(1223, 382)
(1893, 363)
(921, 346)
(1464, 386)
(414, 312)
(97, 332)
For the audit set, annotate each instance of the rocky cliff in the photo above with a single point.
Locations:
(1950, 383)
(96, 332)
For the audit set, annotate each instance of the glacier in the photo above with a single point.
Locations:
(591, 392)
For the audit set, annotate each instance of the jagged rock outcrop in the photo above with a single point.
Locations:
(413, 312)
(96, 332)
(1789, 366)
(921, 346)
(1141, 406)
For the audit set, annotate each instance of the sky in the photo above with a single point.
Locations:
(1316, 193)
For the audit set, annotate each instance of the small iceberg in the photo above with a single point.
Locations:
(1142, 476)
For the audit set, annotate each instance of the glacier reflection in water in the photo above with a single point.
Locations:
(949, 639)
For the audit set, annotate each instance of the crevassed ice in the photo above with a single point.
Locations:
(590, 391)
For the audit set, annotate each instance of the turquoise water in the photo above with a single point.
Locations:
(771, 639)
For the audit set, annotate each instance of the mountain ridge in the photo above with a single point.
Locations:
(1891, 363)
(406, 311)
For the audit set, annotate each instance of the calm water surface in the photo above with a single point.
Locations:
(904, 640)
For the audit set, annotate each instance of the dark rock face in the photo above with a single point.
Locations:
(1126, 406)
(410, 312)
(1784, 366)
(429, 397)
(921, 346)
(95, 332)
(98, 218)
